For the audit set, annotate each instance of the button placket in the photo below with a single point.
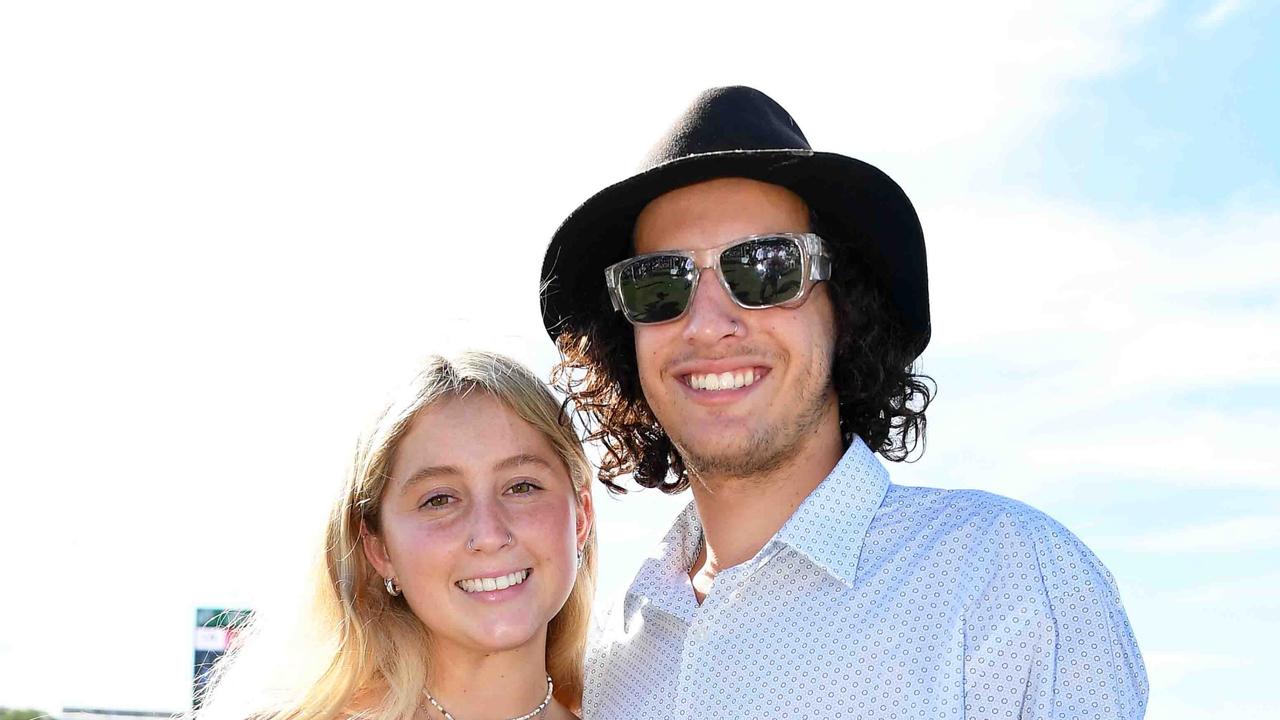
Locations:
(691, 666)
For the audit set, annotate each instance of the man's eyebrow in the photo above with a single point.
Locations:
(522, 459)
(428, 473)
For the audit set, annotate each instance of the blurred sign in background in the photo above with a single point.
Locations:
(215, 634)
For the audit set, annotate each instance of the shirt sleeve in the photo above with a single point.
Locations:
(1098, 670)
(1047, 637)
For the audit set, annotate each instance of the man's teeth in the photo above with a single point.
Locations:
(722, 381)
(489, 584)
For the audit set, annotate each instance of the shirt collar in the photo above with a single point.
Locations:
(828, 528)
(830, 525)
(663, 578)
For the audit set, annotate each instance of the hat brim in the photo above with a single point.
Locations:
(863, 205)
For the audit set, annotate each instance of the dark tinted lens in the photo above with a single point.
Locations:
(763, 272)
(656, 288)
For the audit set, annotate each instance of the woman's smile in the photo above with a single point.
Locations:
(494, 582)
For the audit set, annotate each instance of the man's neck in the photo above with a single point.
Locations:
(740, 515)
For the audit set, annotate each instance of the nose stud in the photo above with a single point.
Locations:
(471, 542)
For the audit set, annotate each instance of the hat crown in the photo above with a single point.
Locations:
(728, 119)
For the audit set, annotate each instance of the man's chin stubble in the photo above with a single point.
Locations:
(712, 470)
(763, 454)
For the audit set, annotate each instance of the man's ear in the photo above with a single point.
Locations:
(375, 551)
(585, 516)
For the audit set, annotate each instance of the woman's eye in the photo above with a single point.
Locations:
(437, 501)
(523, 487)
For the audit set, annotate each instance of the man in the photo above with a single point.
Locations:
(742, 318)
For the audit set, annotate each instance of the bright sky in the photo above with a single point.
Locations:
(230, 229)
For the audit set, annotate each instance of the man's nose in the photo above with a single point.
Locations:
(490, 527)
(713, 315)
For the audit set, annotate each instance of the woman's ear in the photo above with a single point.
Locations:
(375, 551)
(585, 516)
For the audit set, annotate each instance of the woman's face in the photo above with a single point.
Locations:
(480, 525)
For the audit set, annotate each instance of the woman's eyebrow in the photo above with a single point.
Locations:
(427, 473)
(522, 459)
(435, 471)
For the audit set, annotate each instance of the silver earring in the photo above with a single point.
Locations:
(579, 559)
(392, 588)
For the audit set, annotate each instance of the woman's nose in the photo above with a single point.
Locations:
(490, 529)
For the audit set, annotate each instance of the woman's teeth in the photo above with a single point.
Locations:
(490, 584)
(722, 381)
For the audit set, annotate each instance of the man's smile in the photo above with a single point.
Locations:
(727, 380)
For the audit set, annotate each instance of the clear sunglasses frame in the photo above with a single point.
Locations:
(815, 266)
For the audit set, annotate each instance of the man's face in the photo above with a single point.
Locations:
(784, 353)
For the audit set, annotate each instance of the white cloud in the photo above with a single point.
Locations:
(1239, 534)
(1060, 270)
(1169, 668)
(1171, 707)
(1216, 14)
(1255, 592)
(1075, 339)
(1146, 10)
(1205, 634)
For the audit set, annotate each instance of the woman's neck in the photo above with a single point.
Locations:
(472, 684)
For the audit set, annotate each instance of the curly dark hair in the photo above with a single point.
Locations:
(882, 400)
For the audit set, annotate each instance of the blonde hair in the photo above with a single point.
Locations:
(362, 651)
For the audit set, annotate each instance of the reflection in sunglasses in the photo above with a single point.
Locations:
(759, 272)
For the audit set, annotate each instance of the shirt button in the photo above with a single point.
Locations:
(698, 634)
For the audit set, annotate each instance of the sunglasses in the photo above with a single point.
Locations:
(758, 271)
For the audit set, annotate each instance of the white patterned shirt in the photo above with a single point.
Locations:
(875, 601)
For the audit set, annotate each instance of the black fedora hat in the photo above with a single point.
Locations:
(741, 132)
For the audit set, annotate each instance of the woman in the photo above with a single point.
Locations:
(459, 566)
